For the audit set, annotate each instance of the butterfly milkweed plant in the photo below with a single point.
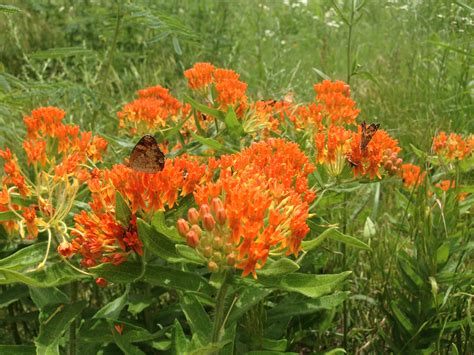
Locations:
(225, 248)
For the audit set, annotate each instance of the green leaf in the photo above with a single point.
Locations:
(420, 153)
(190, 254)
(401, 318)
(203, 108)
(9, 9)
(178, 339)
(334, 234)
(197, 317)
(8, 216)
(313, 286)
(234, 126)
(275, 345)
(247, 297)
(348, 240)
(56, 324)
(176, 279)
(112, 309)
(125, 345)
(30, 256)
(442, 254)
(308, 245)
(290, 308)
(124, 273)
(51, 275)
(122, 211)
(157, 243)
(208, 142)
(269, 352)
(43, 297)
(138, 302)
(280, 267)
(159, 223)
(59, 53)
(17, 349)
(13, 294)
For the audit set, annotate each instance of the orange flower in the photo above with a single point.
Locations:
(230, 90)
(44, 120)
(13, 173)
(35, 151)
(446, 185)
(29, 215)
(100, 238)
(371, 160)
(332, 147)
(264, 206)
(412, 175)
(336, 102)
(453, 147)
(154, 108)
(200, 75)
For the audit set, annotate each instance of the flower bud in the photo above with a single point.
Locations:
(193, 216)
(221, 216)
(394, 156)
(216, 204)
(217, 256)
(388, 165)
(207, 252)
(65, 249)
(387, 152)
(212, 266)
(398, 162)
(217, 242)
(208, 222)
(228, 247)
(204, 209)
(183, 227)
(192, 239)
(101, 282)
(196, 230)
(231, 259)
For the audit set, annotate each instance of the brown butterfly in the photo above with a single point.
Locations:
(367, 134)
(147, 156)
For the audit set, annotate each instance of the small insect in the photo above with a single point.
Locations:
(147, 156)
(351, 162)
(367, 134)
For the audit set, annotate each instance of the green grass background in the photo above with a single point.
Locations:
(413, 59)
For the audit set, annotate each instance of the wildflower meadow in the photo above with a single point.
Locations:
(236, 177)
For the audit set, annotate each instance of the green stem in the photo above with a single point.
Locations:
(349, 44)
(73, 326)
(220, 305)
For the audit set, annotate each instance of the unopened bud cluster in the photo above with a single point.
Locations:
(206, 231)
(391, 162)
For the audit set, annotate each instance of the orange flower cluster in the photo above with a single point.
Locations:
(370, 160)
(334, 97)
(332, 147)
(57, 151)
(155, 108)
(265, 197)
(446, 185)
(412, 175)
(100, 237)
(231, 92)
(453, 146)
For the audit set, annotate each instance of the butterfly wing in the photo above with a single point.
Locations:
(367, 134)
(146, 156)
